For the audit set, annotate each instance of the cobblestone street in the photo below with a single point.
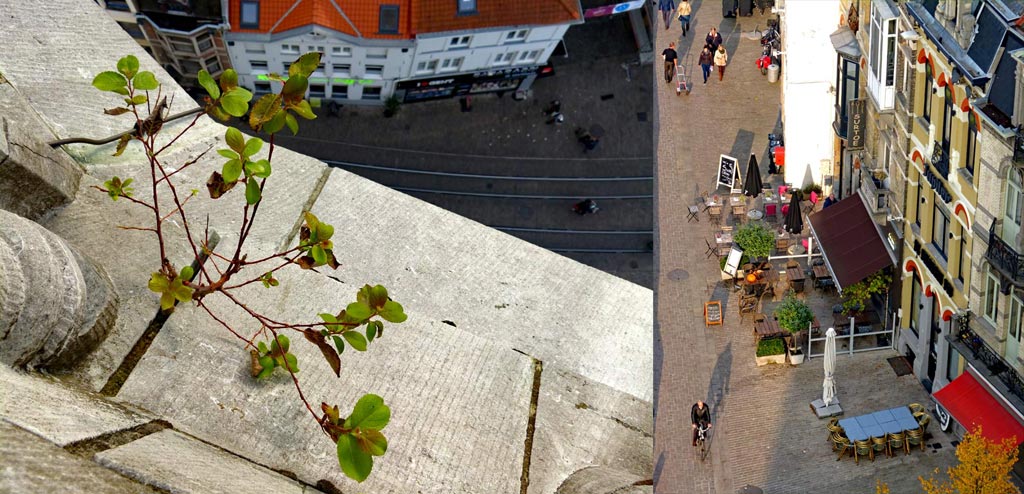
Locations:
(764, 435)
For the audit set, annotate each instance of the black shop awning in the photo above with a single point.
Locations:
(850, 241)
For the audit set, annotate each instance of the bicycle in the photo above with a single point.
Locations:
(702, 434)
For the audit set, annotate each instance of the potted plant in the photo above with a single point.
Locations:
(794, 316)
(857, 295)
(755, 239)
(770, 351)
(391, 106)
(811, 188)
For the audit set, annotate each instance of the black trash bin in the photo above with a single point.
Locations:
(728, 8)
(745, 8)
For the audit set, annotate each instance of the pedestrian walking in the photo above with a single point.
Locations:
(666, 7)
(553, 112)
(684, 15)
(714, 40)
(706, 59)
(670, 56)
(721, 59)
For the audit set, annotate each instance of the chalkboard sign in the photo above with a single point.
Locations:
(727, 166)
(712, 313)
(733, 262)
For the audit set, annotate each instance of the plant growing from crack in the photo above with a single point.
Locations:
(358, 436)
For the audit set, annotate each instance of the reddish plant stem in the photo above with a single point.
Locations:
(298, 388)
(187, 164)
(286, 263)
(194, 120)
(248, 342)
(129, 198)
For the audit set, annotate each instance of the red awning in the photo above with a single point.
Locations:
(971, 404)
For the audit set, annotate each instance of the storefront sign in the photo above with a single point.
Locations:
(484, 81)
(727, 171)
(324, 80)
(617, 8)
(856, 125)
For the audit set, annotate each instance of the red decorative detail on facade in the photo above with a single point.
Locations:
(916, 156)
(942, 80)
(921, 56)
(947, 315)
(959, 208)
(965, 106)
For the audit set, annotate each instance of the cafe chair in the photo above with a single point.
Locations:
(715, 214)
(712, 250)
(915, 437)
(863, 448)
(781, 244)
(841, 444)
(834, 427)
(897, 440)
(880, 445)
(923, 420)
(916, 409)
(691, 214)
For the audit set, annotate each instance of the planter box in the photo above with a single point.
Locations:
(771, 359)
(796, 359)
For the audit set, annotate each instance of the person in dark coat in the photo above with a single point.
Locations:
(714, 40)
(667, 8)
(830, 200)
(700, 414)
(706, 59)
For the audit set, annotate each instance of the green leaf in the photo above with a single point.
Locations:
(232, 170)
(303, 110)
(324, 231)
(253, 146)
(293, 363)
(259, 168)
(252, 191)
(277, 123)
(371, 331)
(339, 344)
(319, 255)
(265, 373)
(370, 413)
(145, 81)
(264, 110)
(166, 300)
(359, 311)
(355, 463)
(139, 99)
(372, 442)
(233, 137)
(208, 84)
(227, 153)
(294, 89)
(356, 339)
(280, 344)
(128, 66)
(378, 296)
(263, 347)
(392, 312)
(183, 293)
(159, 283)
(109, 81)
(291, 122)
(305, 65)
(229, 80)
(266, 361)
(236, 101)
(121, 90)
(217, 113)
(187, 272)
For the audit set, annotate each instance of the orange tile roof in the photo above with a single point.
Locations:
(363, 14)
(432, 16)
(415, 16)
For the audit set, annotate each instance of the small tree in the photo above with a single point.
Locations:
(856, 296)
(793, 314)
(984, 468)
(755, 239)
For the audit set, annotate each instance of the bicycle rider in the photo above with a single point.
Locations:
(700, 414)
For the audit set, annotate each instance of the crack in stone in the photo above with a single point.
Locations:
(531, 425)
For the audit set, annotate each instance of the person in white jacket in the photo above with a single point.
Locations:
(721, 60)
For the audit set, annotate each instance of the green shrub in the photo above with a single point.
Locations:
(772, 346)
(793, 314)
(755, 239)
(811, 188)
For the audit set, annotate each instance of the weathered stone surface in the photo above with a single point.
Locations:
(502, 289)
(34, 178)
(172, 461)
(58, 413)
(46, 318)
(602, 480)
(459, 403)
(582, 424)
(33, 465)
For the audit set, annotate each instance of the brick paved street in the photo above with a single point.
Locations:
(765, 434)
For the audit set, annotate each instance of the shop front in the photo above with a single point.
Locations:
(489, 81)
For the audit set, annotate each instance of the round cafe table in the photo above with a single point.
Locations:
(755, 214)
(795, 250)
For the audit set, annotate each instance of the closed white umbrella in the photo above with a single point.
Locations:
(828, 387)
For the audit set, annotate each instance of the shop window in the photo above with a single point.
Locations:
(459, 42)
(341, 69)
(388, 19)
(339, 91)
(341, 51)
(375, 71)
(529, 56)
(317, 91)
(250, 14)
(371, 92)
(517, 36)
(261, 87)
(940, 231)
(450, 64)
(991, 305)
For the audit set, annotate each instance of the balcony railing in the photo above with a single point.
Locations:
(1005, 258)
(991, 364)
(940, 161)
(840, 122)
(875, 192)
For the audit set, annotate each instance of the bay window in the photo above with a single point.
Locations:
(882, 53)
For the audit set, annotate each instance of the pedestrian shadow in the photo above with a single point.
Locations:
(741, 147)
(718, 388)
(658, 467)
